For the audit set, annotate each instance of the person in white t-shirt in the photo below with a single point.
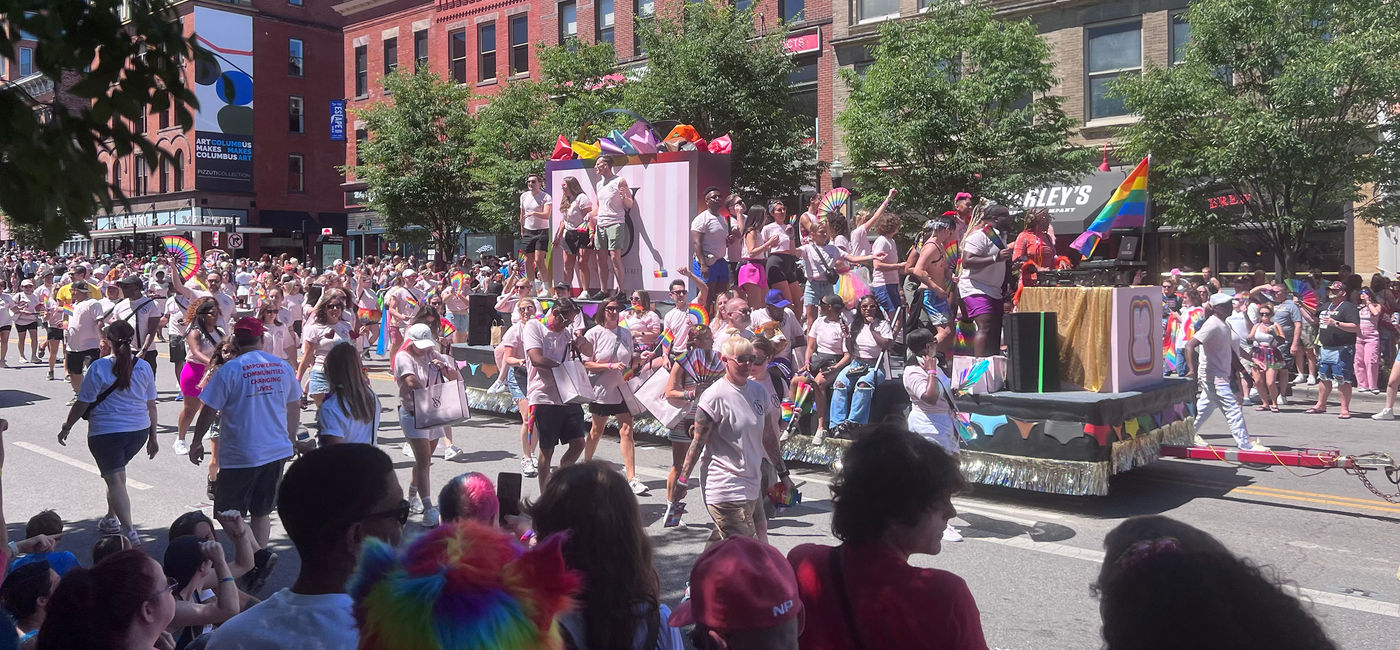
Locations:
(316, 611)
(609, 216)
(327, 328)
(402, 303)
(514, 365)
(854, 389)
(82, 337)
(776, 322)
(675, 326)
(984, 257)
(885, 281)
(350, 411)
(1218, 349)
(580, 260)
(930, 403)
(734, 432)
(611, 357)
(142, 313)
(709, 245)
(547, 345)
(119, 398)
(535, 208)
(417, 365)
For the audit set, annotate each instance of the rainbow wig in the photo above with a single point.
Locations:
(469, 496)
(463, 586)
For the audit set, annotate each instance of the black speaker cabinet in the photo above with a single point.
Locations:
(1032, 352)
(481, 314)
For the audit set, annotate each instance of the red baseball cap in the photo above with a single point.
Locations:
(740, 583)
(252, 326)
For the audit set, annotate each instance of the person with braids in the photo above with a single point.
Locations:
(124, 602)
(1159, 572)
(350, 412)
(620, 606)
(854, 389)
(118, 399)
(201, 340)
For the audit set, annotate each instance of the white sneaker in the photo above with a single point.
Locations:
(951, 534)
(431, 517)
(1299, 379)
(451, 452)
(407, 450)
(1199, 441)
(1253, 445)
(1385, 414)
(638, 488)
(415, 505)
(820, 437)
(1283, 400)
(1312, 380)
(181, 448)
(1246, 402)
(134, 537)
(109, 526)
(527, 467)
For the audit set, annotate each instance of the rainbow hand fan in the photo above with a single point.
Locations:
(698, 311)
(458, 280)
(447, 328)
(833, 201)
(187, 259)
(1304, 292)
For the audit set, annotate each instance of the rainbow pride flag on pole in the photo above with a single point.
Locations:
(1127, 209)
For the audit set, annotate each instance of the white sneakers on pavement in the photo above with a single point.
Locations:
(431, 517)
(1385, 414)
(180, 447)
(1253, 445)
(415, 505)
(638, 488)
(109, 526)
(951, 534)
(451, 452)
(528, 468)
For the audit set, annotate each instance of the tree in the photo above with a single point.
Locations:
(50, 175)
(958, 101)
(515, 133)
(1275, 103)
(711, 69)
(416, 160)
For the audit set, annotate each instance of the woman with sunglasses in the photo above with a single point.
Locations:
(1268, 359)
(828, 354)
(201, 341)
(611, 357)
(278, 339)
(690, 376)
(854, 389)
(511, 359)
(645, 326)
(734, 430)
(327, 329)
(781, 267)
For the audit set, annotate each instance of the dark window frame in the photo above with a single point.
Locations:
(362, 71)
(485, 59)
(519, 51)
(296, 171)
(391, 63)
(296, 57)
(420, 50)
(457, 58)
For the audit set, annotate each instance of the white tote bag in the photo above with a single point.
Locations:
(441, 404)
(652, 395)
(572, 380)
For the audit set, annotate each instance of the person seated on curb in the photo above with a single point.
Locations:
(743, 596)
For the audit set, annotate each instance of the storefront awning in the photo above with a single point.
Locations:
(1074, 205)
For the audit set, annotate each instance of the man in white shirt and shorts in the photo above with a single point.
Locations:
(535, 206)
(609, 218)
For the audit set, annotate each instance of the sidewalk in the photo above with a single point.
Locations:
(1366, 402)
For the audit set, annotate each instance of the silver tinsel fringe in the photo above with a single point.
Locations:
(800, 448)
(1146, 447)
(1072, 477)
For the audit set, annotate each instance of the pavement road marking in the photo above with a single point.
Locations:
(86, 467)
(1343, 601)
(1282, 494)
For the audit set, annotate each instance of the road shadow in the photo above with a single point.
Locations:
(10, 398)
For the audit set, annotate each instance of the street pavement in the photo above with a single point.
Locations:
(1029, 558)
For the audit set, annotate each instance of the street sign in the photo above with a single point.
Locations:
(327, 231)
(235, 240)
(215, 238)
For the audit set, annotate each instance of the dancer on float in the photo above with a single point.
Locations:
(609, 218)
(781, 266)
(535, 208)
(753, 275)
(580, 260)
(709, 239)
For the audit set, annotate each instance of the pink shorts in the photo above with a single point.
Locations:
(190, 376)
(753, 273)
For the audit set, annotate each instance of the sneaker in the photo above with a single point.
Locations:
(820, 437)
(109, 526)
(134, 537)
(1283, 400)
(638, 488)
(179, 397)
(431, 518)
(263, 562)
(1254, 393)
(451, 452)
(415, 505)
(180, 447)
(71, 401)
(1312, 380)
(1246, 402)
(50, 375)
(407, 450)
(1199, 441)
(1253, 445)
(1299, 379)
(1385, 414)
(951, 534)
(527, 467)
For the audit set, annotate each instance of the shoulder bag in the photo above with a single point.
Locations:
(572, 380)
(441, 404)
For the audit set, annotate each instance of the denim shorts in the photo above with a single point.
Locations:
(515, 383)
(1335, 364)
(815, 290)
(458, 320)
(316, 383)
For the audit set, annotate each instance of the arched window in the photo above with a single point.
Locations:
(164, 175)
(117, 174)
(180, 170)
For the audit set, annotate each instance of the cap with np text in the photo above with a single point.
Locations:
(738, 584)
(422, 336)
(777, 299)
(1217, 299)
(248, 326)
(1337, 286)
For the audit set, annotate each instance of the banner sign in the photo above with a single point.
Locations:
(338, 120)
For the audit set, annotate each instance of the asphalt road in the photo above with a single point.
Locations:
(1029, 558)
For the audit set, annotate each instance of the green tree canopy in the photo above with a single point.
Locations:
(958, 101)
(416, 158)
(1276, 103)
(50, 175)
(711, 69)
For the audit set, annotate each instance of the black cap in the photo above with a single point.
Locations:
(562, 285)
(134, 280)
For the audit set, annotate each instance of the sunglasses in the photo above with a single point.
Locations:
(678, 292)
(745, 359)
(335, 305)
(400, 513)
(746, 310)
(612, 308)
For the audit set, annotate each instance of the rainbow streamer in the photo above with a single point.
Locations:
(186, 255)
(1127, 208)
(698, 311)
(447, 328)
(383, 331)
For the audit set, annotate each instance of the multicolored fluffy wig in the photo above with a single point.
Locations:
(463, 586)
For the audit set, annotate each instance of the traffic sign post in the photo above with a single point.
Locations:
(235, 240)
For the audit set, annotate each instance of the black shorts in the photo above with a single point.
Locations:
(781, 268)
(112, 451)
(249, 490)
(596, 408)
(54, 333)
(576, 241)
(177, 351)
(536, 240)
(150, 357)
(27, 327)
(820, 362)
(555, 424)
(78, 360)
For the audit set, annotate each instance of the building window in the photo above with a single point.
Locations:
(791, 10)
(457, 54)
(165, 117)
(362, 71)
(743, 5)
(141, 121)
(117, 174)
(876, 9)
(603, 13)
(645, 9)
(295, 3)
(179, 170)
(568, 20)
(296, 115)
(164, 175)
(1181, 35)
(361, 136)
(1110, 52)
(139, 162)
(294, 57)
(26, 61)
(486, 52)
(296, 173)
(391, 55)
(520, 44)
(802, 93)
(420, 50)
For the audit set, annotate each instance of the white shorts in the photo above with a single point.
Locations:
(414, 433)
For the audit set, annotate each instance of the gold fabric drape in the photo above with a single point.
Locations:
(1084, 319)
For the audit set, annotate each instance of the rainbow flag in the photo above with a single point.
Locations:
(1126, 209)
(1170, 333)
(668, 338)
